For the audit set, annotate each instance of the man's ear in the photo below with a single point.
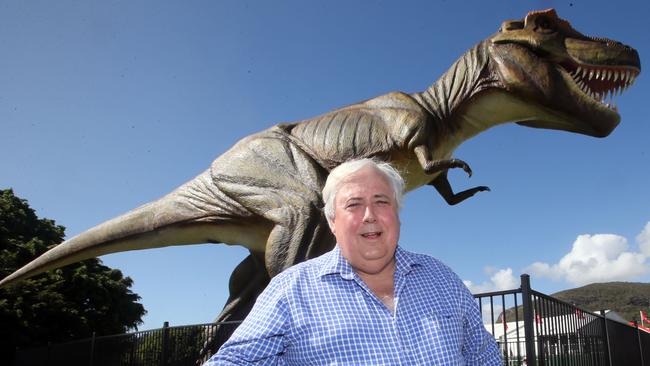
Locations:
(331, 225)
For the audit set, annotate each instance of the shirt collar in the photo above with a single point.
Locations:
(336, 263)
(405, 261)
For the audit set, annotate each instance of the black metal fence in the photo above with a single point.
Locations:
(167, 346)
(531, 329)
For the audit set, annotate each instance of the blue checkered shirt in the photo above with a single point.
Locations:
(320, 312)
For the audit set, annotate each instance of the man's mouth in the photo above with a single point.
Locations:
(371, 235)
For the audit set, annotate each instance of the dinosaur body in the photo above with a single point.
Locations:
(264, 193)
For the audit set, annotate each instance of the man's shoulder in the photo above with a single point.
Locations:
(425, 260)
(439, 279)
(309, 268)
(430, 265)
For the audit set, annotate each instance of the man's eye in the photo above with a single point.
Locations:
(383, 203)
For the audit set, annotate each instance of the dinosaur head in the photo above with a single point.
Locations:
(569, 77)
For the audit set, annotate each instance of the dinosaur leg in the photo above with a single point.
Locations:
(247, 281)
(308, 239)
(441, 184)
(280, 185)
(300, 233)
(299, 228)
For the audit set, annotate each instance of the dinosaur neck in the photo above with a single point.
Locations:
(470, 98)
(469, 75)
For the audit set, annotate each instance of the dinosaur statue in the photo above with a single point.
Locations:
(264, 193)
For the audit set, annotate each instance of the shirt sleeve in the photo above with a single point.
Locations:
(480, 347)
(261, 338)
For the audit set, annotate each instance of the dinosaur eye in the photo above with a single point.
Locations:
(509, 25)
(544, 25)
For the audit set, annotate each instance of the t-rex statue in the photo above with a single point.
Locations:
(264, 193)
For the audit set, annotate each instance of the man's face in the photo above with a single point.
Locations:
(366, 224)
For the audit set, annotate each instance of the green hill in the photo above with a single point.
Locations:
(625, 298)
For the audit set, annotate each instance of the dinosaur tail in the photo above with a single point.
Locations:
(185, 216)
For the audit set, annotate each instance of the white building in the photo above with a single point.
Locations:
(564, 334)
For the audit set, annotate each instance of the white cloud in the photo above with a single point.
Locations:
(544, 270)
(644, 240)
(599, 258)
(593, 258)
(501, 279)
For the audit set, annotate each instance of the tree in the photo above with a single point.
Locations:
(64, 304)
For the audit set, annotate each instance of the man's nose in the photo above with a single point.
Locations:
(369, 214)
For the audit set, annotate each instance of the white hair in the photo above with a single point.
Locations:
(338, 175)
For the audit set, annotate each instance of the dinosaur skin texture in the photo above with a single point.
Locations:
(264, 193)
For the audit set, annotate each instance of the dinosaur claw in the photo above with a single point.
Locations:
(467, 169)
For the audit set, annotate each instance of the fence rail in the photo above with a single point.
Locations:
(531, 329)
(166, 346)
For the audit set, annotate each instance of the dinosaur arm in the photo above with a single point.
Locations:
(441, 184)
(435, 166)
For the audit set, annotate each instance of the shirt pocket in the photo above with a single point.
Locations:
(443, 330)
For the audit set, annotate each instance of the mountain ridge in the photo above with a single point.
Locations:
(625, 298)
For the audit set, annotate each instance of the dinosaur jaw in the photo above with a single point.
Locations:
(600, 84)
(601, 68)
(578, 97)
(597, 86)
(592, 90)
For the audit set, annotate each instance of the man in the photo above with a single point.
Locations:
(366, 302)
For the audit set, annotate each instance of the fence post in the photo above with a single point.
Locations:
(92, 349)
(638, 337)
(609, 356)
(165, 341)
(49, 351)
(529, 330)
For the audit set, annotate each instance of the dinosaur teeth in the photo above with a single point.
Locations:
(603, 84)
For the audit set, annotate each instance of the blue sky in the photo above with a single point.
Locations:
(105, 106)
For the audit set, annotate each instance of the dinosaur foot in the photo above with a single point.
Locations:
(461, 196)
